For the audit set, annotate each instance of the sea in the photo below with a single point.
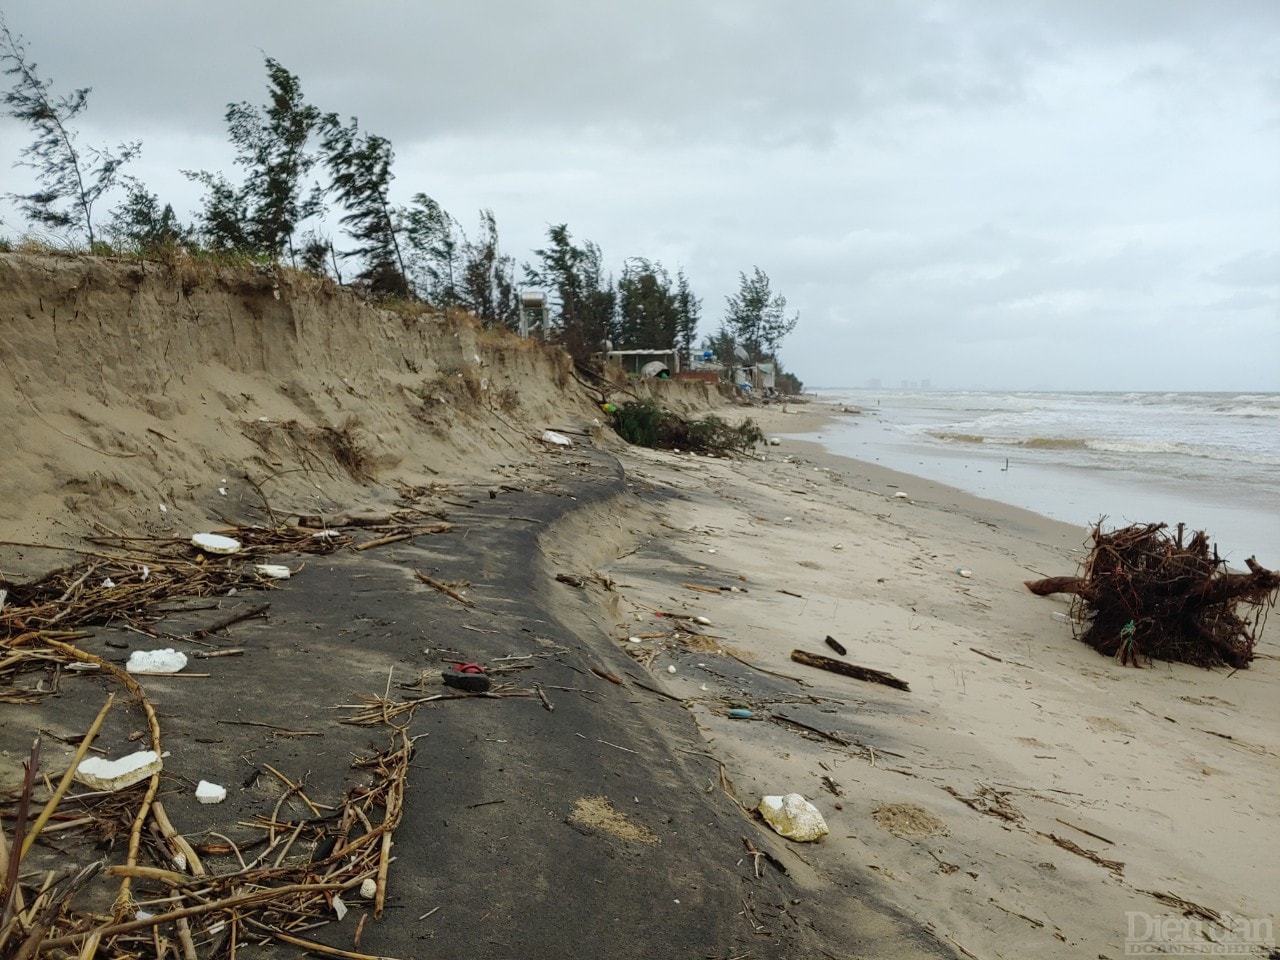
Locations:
(1209, 460)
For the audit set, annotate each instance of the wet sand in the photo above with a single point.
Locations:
(1027, 794)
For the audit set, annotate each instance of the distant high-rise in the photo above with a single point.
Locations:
(873, 383)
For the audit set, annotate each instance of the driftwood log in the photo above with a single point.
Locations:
(848, 669)
(1146, 593)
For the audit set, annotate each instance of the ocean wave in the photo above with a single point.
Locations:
(1036, 443)
(1107, 445)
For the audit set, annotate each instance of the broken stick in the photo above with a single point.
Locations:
(444, 588)
(851, 670)
(236, 617)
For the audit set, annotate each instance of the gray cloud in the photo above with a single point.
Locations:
(1009, 192)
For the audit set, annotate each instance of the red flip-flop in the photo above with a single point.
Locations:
(466, 676)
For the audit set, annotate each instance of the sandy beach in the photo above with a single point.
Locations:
(1025, 797)
(1027, 794)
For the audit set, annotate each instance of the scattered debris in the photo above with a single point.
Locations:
(559, 439)
(851, 670)
(645, 424)
(207, 792)
(444, 588)
(167, 660)
(467, 676)
(1146, 593)
(836, 645)
(97, 773)
(216, 543)
(793, 817)
(606, 675)
(1115, 866)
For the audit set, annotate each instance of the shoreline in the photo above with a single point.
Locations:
(975, 802)
(1233, 512)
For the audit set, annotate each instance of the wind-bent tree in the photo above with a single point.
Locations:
(72, 178)
(262, 215)
(433, 243)
(488, 284)
(142, 225)
(756, 318)
(360, 167)
(583, 297)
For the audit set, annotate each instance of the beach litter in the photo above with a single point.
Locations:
(216, 543)
(559, 439)
(466, 676)
(207, 792)
(793, 817)
(1146, 593)
(851, 670)
(98, 773)
(167, 660)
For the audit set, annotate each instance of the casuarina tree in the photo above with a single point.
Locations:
(360, 167)
(584, 297)
(142, 225)
(262, 214)
(756, 318)
(72, 178)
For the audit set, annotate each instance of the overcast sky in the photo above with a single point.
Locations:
(1003, 193)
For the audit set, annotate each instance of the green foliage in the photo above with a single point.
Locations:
(360, 165)
(688, 312)
(262, 215)
(645, 424)
(488, 283)
(756, 318)
(433, 241)
(72, 178)
(140, 225)
(640, 422)
(647, 317)
(653, 312)
(584, 298)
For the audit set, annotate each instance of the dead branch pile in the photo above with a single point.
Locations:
(1145, 593)
(295, 884)
(169, 902)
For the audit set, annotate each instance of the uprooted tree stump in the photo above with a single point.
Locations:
(1146, 593)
